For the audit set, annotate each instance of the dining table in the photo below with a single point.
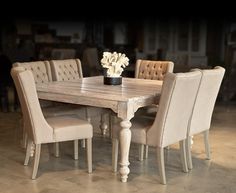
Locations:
(124, 100)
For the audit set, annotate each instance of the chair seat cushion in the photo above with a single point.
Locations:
(139, 128)
(69, 128)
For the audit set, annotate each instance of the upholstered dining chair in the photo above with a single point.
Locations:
(42, 74)
(153, 70)
(171, 121)
(50, 130)
(200, 121)
(69, 70)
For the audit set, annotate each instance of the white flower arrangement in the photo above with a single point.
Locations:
(114, 62)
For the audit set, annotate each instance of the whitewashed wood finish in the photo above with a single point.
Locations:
(123, 99)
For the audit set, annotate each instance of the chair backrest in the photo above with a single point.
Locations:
(42, 73)
(206, 98)
(41, 70)
(154, 70)
(37, 127)
(64, 70)
(175, 108)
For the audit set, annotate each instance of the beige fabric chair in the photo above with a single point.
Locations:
(66, 70)
(49, 130)
(42, 74)
(171, 122)
(69, 70)
(203, 107)
(153, 70)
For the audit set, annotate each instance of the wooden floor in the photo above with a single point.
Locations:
(65, 175)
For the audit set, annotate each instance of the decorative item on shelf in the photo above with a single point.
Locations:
(114, 64)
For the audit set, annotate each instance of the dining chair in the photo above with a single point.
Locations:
(153, 70)
(200, 121)
(42, 130)
(42, 74)
(70, 70)
(171, 122)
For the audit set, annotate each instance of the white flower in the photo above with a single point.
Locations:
(114, 62)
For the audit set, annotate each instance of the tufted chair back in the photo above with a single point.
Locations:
(42, 73)
(154, 70)
(40, 69)
(36, 125)
(64, 70)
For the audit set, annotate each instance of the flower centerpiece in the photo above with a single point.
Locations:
(114, 63)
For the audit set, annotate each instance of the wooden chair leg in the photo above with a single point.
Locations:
(146, 152)
(57, 149)
(28, 152)
(111, 118)
(141, 152)
(83, 143)
(89, 155)
(24, 133)
(103, 125)
(76, 149)
(188, 152)
(36, 160)
(115, 148)
(183, 155)
(161, 164)
(207, 146)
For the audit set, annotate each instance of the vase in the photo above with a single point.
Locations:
(112, 80)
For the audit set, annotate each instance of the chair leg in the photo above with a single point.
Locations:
(76, 149)
(207, 146)
(115, 147)
(28, 152)
(36, 160)
(141, 152)
(57, 149)
(161, 164)
(111, 117)
(146, 152)
(89, 155)
(188, 152)
(103, 125)
(25, 135)
(183, 155)
(83, 143)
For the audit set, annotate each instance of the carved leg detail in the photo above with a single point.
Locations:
(125, 139)
(103, 125)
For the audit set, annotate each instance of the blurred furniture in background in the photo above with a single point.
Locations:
(90, 62)
(60, 53)
(6, 84)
